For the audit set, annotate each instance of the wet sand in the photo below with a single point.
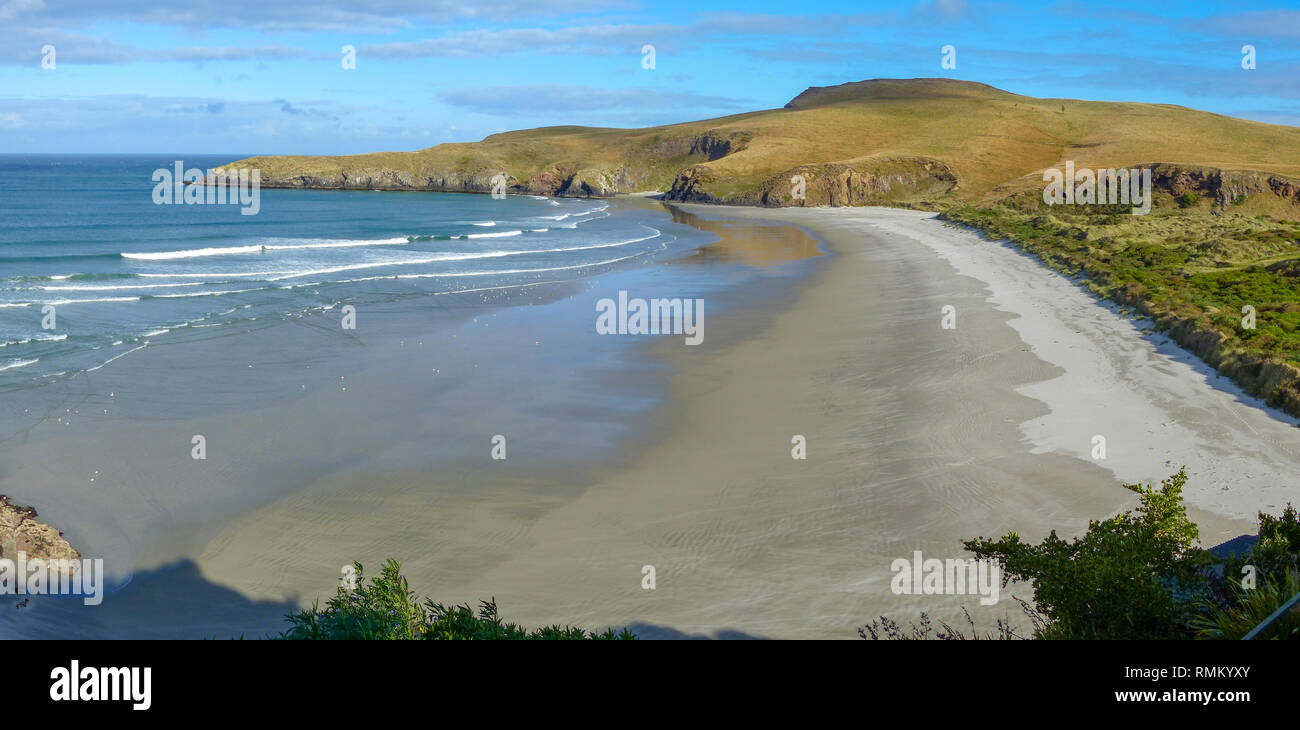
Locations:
(415, 394)
(917, 437)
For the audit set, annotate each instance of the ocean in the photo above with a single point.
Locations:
(336, 340)
(82, 234)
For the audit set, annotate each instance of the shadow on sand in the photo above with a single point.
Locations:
(652, 631)
(173, 601)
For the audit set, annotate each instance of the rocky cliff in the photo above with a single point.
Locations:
(541, 168)
(20, 532)
(868, 182)
(1225, 187)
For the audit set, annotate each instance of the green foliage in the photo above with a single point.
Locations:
(1128, 577)
(1248, 609)
(1187, 199)
(387, 608)
(1276, 552)
(1138, 575)
(1277, 330)
(1279, 539)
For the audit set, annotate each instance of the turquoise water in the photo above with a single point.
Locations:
(84, 235)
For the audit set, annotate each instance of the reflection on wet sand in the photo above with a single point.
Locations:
(750, 243)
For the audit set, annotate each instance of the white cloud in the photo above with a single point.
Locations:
(562, 98)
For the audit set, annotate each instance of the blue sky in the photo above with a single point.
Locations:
(265, 76)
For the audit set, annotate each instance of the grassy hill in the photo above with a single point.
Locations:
(1223, 233)
(915, 141)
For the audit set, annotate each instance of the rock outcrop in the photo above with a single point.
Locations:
(555, 181)
(20, 532)
(560, 176)
(1223, 186)
(865, 182)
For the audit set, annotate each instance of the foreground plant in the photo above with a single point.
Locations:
(887, 628)
(1133, 576)
(1139, 575)
(1249, 608)
(387, 608)
(1277, 551)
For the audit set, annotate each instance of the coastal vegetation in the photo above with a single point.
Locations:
(385, 608)
(1140, 575)
(1223, 284)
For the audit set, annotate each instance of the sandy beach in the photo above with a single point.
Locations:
(917, 437)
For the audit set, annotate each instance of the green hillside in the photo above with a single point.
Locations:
(915, 141)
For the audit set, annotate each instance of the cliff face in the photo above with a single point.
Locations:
(538, 168)
(1223, 186)
(557, 180)
(870, 182)
(863, 182)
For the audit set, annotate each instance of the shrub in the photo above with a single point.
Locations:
(388, 609)
(1133, 576)
(1279, 541)
(1138, 575)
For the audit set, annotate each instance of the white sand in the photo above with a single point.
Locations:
(1156, 404)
